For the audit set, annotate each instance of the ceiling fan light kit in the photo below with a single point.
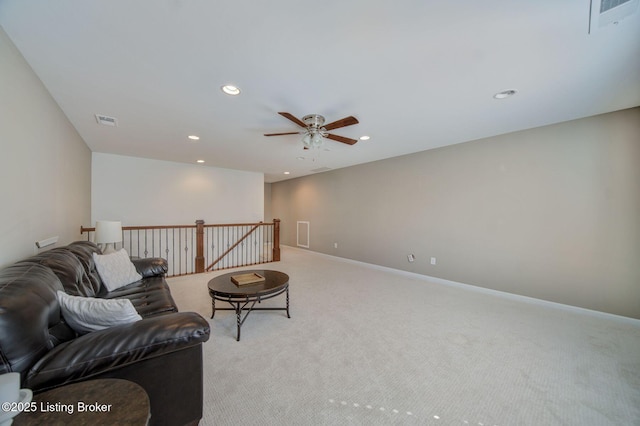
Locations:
(313, 140)
(315, 131)
(315, 134)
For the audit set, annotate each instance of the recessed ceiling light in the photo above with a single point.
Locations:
(365, 138)
(299, 158)
(287, 173)
(194, 137)
(505, 94)
(200, 161)
(230, 90)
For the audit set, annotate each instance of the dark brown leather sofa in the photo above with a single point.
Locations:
(162, 352)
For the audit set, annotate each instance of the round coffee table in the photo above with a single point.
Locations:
(244, 297)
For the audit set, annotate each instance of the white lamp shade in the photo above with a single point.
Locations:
(108, 231)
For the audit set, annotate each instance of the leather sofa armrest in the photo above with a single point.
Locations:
(150, 266)
(100, 351)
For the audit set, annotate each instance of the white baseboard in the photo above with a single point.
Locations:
(476, 288)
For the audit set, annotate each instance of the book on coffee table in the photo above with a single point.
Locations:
(245, 279)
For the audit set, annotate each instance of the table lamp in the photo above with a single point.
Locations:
(108, 233)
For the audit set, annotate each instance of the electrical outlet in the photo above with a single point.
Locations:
(433, 260)
(335, 245)
(411, 258)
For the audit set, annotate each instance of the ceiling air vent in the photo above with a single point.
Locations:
(607, 12)
(610, 4)
(321, 169)
(106, 120)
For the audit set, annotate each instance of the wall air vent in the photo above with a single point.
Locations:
(607, 12)
(106, 120)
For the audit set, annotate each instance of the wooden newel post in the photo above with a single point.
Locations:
(199, 245)
(276, 240)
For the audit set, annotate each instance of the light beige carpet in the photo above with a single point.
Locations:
(366, 346)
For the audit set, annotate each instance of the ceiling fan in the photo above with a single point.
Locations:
(315, 130)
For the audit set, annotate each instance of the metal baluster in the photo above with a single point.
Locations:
(180, 249)
(227, 240)
(206, 246)
(146, 252)
(193, 258)
(167, 250)
(173, 252)
(241, 252)
(259, 245)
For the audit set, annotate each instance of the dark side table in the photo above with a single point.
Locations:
(245, 297)
(93, 402)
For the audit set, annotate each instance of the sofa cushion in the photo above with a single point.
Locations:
(115, 347)
(84, 250)
(150, 297)
(68, 268)
(151, 266)
(86, 314)
(116, 269)
(30, 321)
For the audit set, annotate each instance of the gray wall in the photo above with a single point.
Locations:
(46, 167)
(551, 213)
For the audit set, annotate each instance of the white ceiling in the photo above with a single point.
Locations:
(416, 74)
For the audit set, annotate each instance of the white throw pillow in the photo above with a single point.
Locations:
(85, 314)
(116, 269)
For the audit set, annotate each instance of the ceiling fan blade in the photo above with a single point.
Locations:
(347, 121)
(294, 119)
(280, 134)
(341, 139)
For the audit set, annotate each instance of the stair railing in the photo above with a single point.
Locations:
(187, 248)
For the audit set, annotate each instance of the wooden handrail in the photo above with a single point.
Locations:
(222, 225)
(141, 228)
(244, 237)
(136, 228)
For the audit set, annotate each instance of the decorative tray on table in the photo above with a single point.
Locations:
(246, 279)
